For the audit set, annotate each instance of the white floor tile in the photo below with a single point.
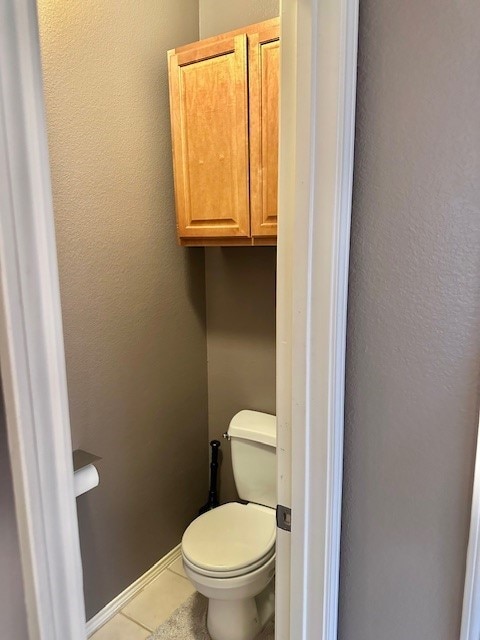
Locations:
(120, 628)
(177, 567)
(159, 599)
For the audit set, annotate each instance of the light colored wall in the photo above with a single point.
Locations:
(133, 301)
(414, 322)
(13, 619)
(240, 289)
(241, 340)
(219, 16)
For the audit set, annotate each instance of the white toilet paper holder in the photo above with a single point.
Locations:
(85, 474)
(83, 458)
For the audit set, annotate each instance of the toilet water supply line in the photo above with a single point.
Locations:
(212, 501)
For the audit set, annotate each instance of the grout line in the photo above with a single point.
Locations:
(179, 575)
(136, 622)
(141, 624)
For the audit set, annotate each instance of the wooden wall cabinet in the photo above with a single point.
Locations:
(224, 94)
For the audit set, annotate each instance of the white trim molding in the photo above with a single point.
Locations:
(286, 204)
(131, 591)
(319, 62)
(470, 629)
(31, 342)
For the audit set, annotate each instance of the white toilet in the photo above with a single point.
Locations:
(229, 552)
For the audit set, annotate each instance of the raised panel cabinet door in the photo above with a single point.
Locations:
(209, 113)
(264, 79)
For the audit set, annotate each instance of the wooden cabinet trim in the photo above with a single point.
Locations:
(200, 51)
(251, 29)
(262, 241)
(263, 119)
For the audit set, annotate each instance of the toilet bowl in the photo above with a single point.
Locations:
(229, 553)
(229, 556)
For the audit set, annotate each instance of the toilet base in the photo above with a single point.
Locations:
(240, 619)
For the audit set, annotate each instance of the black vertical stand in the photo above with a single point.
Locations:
(212, 494)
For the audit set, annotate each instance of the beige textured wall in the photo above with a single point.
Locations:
(414, 321)
(13, 621)
(133, 301)
(219, 16)
(241, 340)
(240, 291)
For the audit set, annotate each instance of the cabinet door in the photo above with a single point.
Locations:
(208, 106)
(264, 72)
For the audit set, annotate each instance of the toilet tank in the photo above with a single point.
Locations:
(253, 438)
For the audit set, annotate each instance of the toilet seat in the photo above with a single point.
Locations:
(230, 574)
(232, 540)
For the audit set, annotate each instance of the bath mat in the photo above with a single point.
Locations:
(189, 622)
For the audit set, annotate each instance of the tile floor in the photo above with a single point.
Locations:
(150, 607)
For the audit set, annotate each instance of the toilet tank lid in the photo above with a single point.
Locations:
(254, 425)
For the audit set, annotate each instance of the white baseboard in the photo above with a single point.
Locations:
(130, 592)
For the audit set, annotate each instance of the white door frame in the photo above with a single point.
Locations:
(317, 132)
(318, 79)
(31, 342)
(470, 629)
